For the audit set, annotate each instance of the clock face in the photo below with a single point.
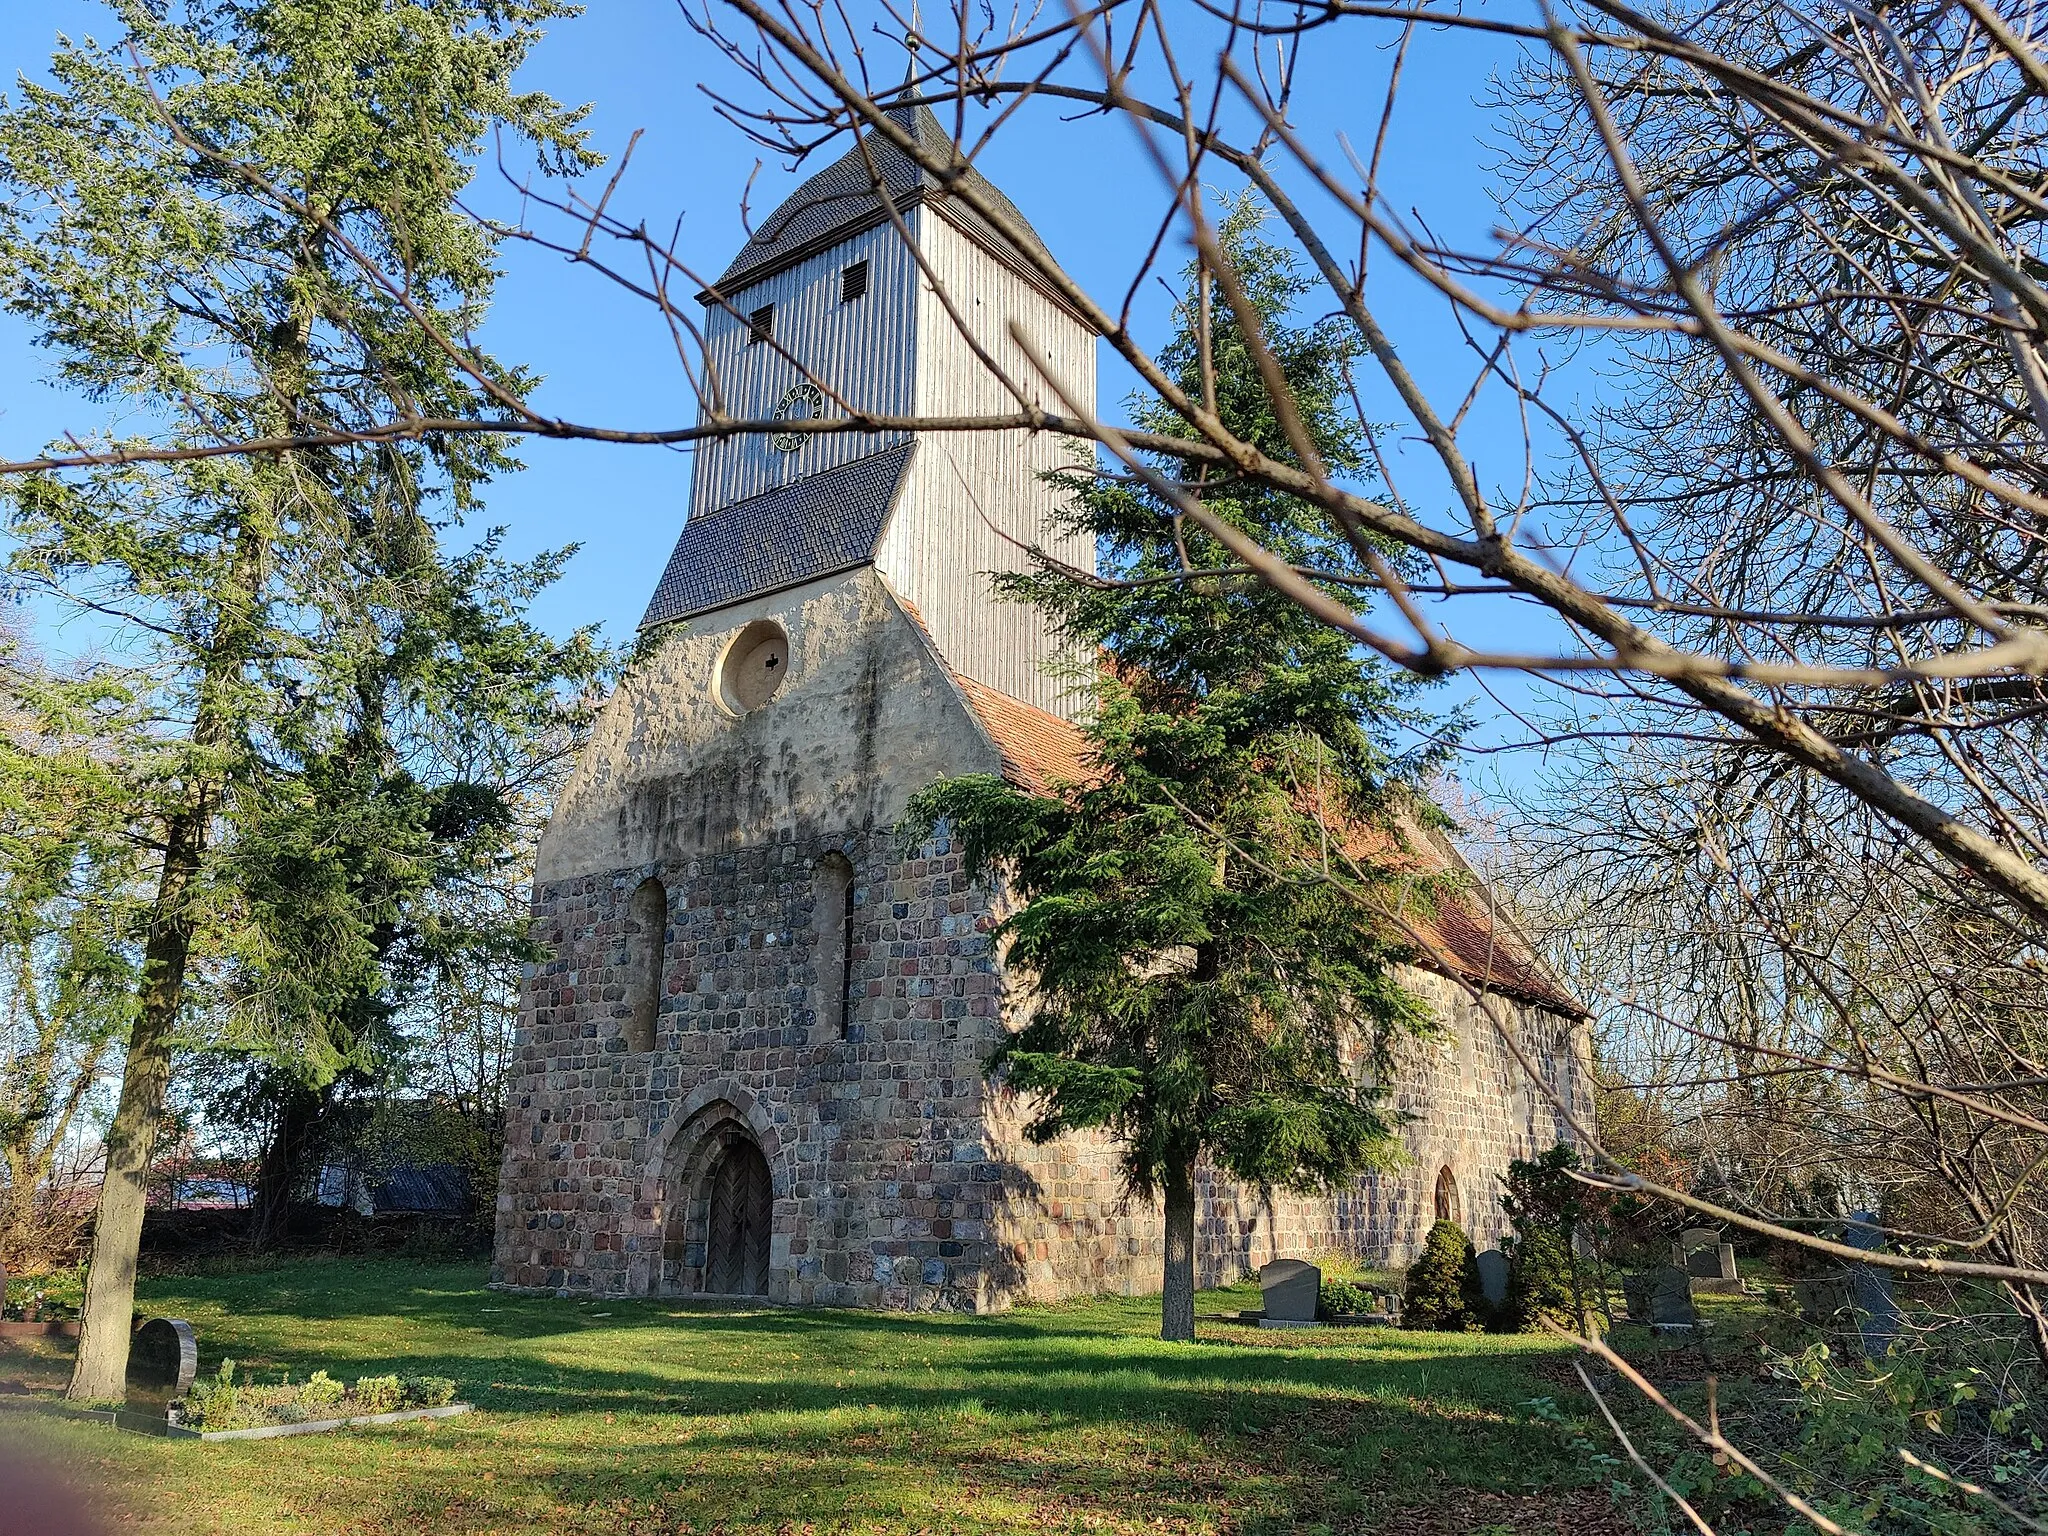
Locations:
(800, 402)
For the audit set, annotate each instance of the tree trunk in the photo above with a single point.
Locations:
(299, 1118)
(100, 1373)
(1177, 1290)
(107, 1316)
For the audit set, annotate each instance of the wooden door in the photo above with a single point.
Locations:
(742, 1216)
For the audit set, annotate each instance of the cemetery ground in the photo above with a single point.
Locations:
(629, 1417)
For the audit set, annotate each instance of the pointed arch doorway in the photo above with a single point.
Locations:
(739, 1222)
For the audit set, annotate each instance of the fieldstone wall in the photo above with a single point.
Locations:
(902, 1179)
(1473, 1112)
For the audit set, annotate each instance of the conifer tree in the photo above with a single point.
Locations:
(184, 221)
(1205, 983)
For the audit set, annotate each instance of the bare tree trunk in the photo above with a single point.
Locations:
(100, 1372)
(1177, 1291)
(299, 1119)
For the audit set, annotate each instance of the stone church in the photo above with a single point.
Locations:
(752, 1065)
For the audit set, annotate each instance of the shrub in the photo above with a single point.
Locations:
(1539, 1282)
(1549, 1210)
(426, 1391)
(321, 1391)
(1340, 1298)
(219, 1402)
(215, 1402)
(377, 1394)
(1443, 1283)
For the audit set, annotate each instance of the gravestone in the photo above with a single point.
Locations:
(1877, 1310)
(1823, 1299)
(1288, 1289)
(1662, 1298)
(163, 1357)
(1700, 1252)
(1493, 1275)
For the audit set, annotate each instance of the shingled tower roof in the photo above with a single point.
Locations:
(840, 201)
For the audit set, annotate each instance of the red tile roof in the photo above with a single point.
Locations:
(1040, 750)
(1462, 934)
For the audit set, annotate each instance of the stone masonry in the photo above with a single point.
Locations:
(901, 1176)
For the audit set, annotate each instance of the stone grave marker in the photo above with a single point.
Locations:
(1877, 1310)
(1823, 1298)
(163, 1357)
(1700, 1252)
(1288, 1289)
(1661, 1297)
(1493, 1275)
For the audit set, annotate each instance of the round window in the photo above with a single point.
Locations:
(755, 664)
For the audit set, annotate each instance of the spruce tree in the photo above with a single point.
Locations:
(1206, 983)
(184, 217)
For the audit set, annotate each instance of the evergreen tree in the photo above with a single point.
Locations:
(1443, 1290)
(184, 221)
(1206, 983)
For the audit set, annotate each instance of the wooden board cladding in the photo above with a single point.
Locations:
(967, 490)
(862, 350)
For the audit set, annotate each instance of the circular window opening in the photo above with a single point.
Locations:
(755, 664)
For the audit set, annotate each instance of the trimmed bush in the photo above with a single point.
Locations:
(321, 1391)
(1539, 1281)
(377, 1394)
(426, 1391)
(1443, 1283)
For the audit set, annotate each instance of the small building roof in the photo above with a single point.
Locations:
(841, 201)
(814, 526)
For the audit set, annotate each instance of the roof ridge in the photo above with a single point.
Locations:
(839, 201)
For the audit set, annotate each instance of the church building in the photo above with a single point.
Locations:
(753, 1063)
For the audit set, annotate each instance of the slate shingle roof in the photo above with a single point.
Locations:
(840, 201)
(811, 527)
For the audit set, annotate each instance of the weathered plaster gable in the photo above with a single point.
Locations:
(867, 717)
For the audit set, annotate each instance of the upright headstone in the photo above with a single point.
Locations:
(1493, 1275)
(1700, 1252)
(1823, 1298)
(1661, 1298)
(1288, 1289)
(1877, 1310)
(163, 1357)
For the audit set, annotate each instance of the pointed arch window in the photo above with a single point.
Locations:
(832, 919)
(646, 952)
(1448, 1206)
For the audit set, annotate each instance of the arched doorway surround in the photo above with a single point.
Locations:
(707, 1200)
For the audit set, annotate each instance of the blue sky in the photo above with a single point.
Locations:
(1087, 188)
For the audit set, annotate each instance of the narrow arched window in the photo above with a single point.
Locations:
(832, 917)
(1448, 1206)
(646, 949)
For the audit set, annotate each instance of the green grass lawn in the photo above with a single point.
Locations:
(628, 1417)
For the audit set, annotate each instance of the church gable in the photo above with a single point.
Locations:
(690, 758)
